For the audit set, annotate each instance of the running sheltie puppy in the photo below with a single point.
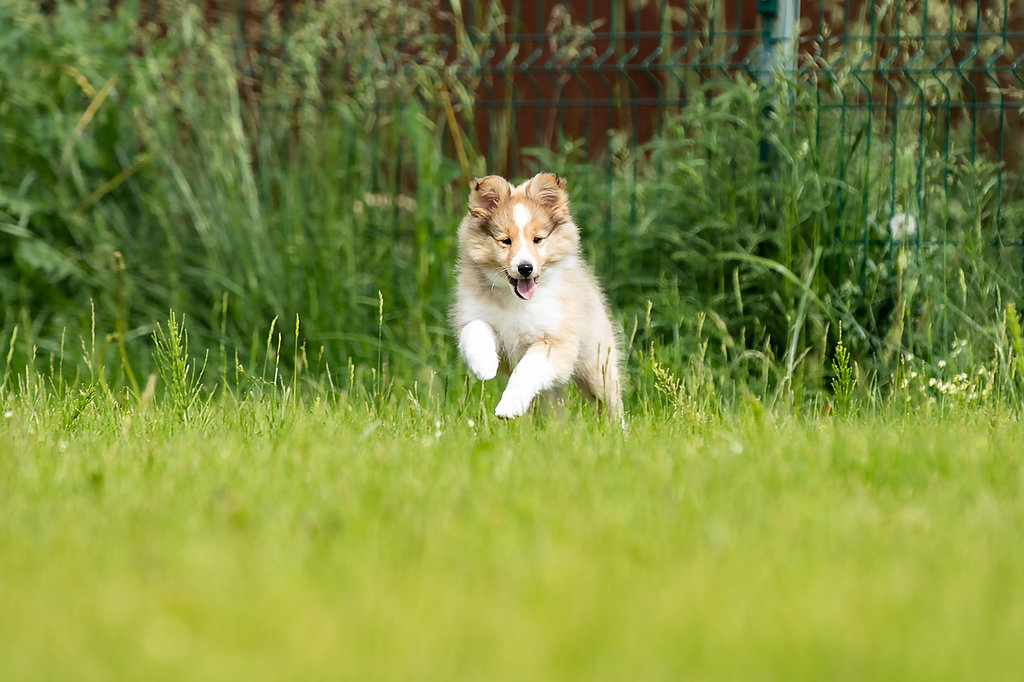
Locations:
(526, 300)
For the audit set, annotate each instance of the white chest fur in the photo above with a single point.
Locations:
(517, 324)
(523, 323)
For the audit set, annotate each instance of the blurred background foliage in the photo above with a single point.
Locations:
(278, 168)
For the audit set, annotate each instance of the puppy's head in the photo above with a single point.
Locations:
(517, 234)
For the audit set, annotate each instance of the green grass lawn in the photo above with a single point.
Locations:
(323, 543)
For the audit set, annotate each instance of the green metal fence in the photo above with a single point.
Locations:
(909, 86)
(922, 78)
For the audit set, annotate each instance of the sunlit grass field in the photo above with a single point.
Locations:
(337, 540)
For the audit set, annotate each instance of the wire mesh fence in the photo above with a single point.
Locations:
(909, 85)
(919, 80)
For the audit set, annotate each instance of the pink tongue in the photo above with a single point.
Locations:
(526, 287)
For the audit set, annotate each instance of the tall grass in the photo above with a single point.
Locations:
(154, 163)
(777, 249)
(148, 140)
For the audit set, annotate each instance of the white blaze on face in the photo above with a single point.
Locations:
(521, 217)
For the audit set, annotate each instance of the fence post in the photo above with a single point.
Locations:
(778, 52)
(778, 37)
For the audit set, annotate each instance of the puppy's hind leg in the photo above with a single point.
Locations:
(599, 379)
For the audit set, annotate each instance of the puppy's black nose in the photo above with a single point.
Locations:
(526, 269)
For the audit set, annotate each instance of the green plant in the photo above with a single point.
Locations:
(183, 382)
(844, 376)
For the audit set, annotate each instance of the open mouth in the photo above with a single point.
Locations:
(524, 287)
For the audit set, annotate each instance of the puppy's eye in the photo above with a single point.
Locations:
(506, 241)
(538, 240)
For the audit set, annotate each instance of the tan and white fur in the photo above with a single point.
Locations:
(525, 299)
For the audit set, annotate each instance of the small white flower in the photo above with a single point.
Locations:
(470, 423)
(942, 364)
(8, 414)
(902, 226)
(932, 382)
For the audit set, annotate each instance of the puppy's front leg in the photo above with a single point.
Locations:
(544, 366)
(480, 349)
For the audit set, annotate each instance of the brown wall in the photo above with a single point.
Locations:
(645, 59)
(583, 68)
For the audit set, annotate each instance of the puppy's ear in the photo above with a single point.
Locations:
(486, 193)
(548, 190)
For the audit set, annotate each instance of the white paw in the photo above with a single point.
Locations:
(483, 365)
(512, 405)
(480, 349)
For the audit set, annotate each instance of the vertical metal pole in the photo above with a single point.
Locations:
(778, 48)
(778, 38)
(778, 51)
